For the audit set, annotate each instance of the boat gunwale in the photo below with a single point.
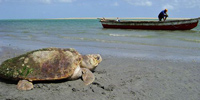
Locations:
(138, 21)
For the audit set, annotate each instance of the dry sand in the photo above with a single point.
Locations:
(117, 78)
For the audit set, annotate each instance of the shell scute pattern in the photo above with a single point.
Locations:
(42, 64)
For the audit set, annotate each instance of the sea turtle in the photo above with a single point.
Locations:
(49, 64)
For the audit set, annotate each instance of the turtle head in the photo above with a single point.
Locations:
(91, 61)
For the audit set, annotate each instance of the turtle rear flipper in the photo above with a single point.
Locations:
(87, 76)
(24, 85)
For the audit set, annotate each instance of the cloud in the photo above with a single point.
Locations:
(46, 1)
(168, 6)
(139, 2)
(40, 1)
(54, 1)
(115, 4)
(67, 1)
(172, 4)
(2, 1)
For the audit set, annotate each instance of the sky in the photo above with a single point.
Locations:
(40, 9)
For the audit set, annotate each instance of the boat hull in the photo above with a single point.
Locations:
(152, 25)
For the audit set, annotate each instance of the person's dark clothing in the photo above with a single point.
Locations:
(162, 15)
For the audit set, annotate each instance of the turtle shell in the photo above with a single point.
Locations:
(42, 64)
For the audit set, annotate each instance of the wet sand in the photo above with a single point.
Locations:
(117, 78)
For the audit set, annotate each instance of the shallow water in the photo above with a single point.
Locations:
(88, 36)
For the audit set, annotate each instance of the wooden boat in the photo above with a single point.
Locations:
(181, 24)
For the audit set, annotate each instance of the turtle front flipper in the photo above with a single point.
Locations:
(87, 76)
(24, 85)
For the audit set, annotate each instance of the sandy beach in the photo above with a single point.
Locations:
(117, 78)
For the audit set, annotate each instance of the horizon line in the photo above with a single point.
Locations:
(93, 18)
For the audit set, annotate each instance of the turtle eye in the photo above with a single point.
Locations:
(98, 58)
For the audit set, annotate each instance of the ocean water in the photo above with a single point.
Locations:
(88, 36)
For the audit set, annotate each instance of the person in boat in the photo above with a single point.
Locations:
(163, 15)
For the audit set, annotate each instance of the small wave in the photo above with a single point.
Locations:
(103, 33)
(88, 39)
(190, 40)
(128, 35)
(106, 41)
(142, 36)
(127, 42)
(6, 31)
(26, 32)
(117, 35)
(10, 35)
